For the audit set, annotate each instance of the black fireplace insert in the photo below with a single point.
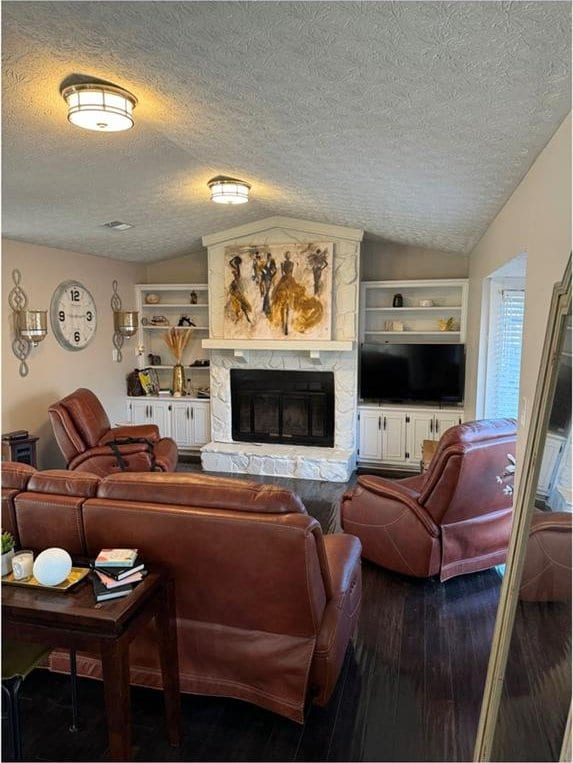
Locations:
(289, 407)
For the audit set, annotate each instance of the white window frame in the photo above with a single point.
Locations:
(496, 288)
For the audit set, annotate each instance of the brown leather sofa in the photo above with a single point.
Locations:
(547, 569)
(266, 604)
(454, 519)
(84, 434)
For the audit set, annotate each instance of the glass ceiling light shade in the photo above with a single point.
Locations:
(226, 190)
(103, 108)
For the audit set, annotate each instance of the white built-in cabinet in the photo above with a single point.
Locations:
(187, 421)
(393, 435)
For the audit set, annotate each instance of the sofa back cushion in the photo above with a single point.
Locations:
(64, 482)
(239, 569)
(472, 471)
(201, 490)
(15, 476)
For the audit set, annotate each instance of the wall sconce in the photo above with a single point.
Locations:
(125, 323)
(30, 326)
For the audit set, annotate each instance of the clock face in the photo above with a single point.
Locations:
(73, 315)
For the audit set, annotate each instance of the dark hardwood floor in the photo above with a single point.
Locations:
(410, 687)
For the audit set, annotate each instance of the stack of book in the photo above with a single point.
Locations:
(116, 572)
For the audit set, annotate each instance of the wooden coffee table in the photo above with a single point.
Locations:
(74, 620)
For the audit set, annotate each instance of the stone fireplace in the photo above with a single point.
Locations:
(289, 407)
(285, 408)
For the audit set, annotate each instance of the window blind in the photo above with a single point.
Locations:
(505, 354)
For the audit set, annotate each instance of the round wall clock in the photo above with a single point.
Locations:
(73, 315)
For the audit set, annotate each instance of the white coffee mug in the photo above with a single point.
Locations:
(23, 565)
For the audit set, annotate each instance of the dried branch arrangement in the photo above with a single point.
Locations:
(177, 340)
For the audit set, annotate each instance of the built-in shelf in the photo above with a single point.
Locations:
(173, 303)
(186, 305)
(412, 322)
(185, 365)
(434, 309)
(165, 328)
(418, 333)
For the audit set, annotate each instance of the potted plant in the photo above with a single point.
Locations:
(7, 552)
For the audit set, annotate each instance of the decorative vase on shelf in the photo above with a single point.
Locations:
(178, 381)
(398, 301)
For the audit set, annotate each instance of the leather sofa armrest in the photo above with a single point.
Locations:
(559, 521)
(342, 555)
(341, 613)
(147, 431)
(398, 492)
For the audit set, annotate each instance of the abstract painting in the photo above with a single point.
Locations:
(278, 291)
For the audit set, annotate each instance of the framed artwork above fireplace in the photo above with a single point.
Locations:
(279, 291)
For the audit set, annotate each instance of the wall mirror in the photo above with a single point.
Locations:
(526, 710)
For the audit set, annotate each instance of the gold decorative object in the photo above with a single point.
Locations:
(76, 574)
(177, 340)
(446, 324)
(178, 381)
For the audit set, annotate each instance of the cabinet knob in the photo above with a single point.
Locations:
(379, 422)
(192, 412)
(168, 407)
(187, 412)
(437, 426)
(384, 423)
(431, 426)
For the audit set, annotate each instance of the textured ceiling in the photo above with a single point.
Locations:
(412, 120)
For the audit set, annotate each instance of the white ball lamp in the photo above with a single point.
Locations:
(52, 566)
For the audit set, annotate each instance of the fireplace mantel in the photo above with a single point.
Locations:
(240, 347)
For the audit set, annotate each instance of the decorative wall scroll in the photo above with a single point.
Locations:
(278, 291)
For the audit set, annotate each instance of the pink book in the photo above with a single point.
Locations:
(112, 583)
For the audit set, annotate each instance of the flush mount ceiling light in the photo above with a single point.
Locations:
(103, 108)
(226, 190)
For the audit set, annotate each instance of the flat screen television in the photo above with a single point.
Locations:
(425, 373)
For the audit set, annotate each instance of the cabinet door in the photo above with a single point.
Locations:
(420, 427)
(140, 410)
(370, 436)
(181, 424)
(201, 413)
(393, 437)
(161, 415)
(444, 420)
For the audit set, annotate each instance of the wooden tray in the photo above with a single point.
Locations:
(76, 575)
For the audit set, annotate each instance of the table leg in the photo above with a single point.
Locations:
(115, 670)
(167, 638)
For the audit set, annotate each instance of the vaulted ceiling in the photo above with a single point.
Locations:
(412, 120)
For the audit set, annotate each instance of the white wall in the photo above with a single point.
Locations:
(54, 371)
(536, 220)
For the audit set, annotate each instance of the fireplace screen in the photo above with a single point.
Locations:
(292, 407)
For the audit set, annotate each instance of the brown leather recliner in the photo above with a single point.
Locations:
(547, 569)
(84, 434)
(454, 519)
(266, 604)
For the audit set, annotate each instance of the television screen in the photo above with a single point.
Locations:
(426, 373)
